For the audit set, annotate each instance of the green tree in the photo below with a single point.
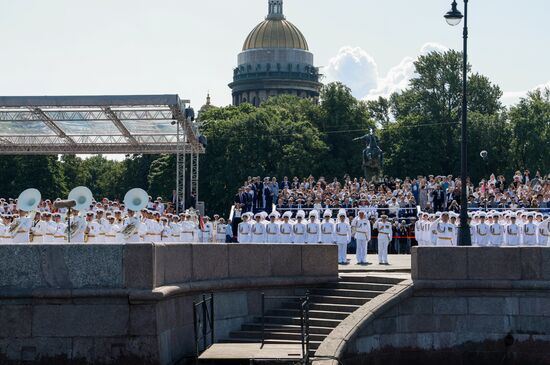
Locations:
(44, 173)
(530, 121)
(341, 119)
(424, 134)
(273, 140)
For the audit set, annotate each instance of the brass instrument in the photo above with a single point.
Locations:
(135, 200)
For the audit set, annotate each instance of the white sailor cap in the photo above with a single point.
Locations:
(327, 213)
(482, 215)
(287, 214)
(342, 212)
(90, 214)
(301, 214)
(313, 213)
(258, 215)
(275, 214)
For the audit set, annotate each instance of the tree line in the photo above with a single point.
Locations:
(419, 131)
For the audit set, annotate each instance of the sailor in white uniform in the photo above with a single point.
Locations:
(529, 232)
(258, 229)
(244, 232)
(285, 229)
(513, 232)
(482, 231)
(272, 228)
(384, 238)
(327, 228)
(446, 231)
(342, 236)
(313, 228)
(299, 228)
(362, 232)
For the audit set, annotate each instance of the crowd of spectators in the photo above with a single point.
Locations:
(397, 198)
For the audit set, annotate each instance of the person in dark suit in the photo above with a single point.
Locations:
(438, 198)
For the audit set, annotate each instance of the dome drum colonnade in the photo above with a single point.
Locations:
(275, 60)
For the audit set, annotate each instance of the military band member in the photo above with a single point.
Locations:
(342, 231)
(384, 238)
(80, 222)
(176, 228)
(135, 228)
(5, 222)
(50, 228)
(93, 229)
(187, 229)
(60, 228)
(24, 224)
(111, 230)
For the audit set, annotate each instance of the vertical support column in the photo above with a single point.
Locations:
(195, 175)
(180, 166)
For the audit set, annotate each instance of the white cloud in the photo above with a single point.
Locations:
(354, 67)
(513, 97)
(357, 69)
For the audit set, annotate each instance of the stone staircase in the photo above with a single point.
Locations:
(329, 305)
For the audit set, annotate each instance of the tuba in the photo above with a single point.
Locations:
(135, 200)
(27, 201)
(82, 196)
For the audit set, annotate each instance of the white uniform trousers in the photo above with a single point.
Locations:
(342, 252)
(383, 243)
(361, 251)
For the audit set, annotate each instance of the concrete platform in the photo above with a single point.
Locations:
(246, 351)
(398, 263)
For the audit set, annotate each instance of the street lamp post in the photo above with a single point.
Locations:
(453, 18)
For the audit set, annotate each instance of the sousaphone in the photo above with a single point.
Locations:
(136, 199)
(83, 198)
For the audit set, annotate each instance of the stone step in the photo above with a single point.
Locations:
(285, 328)
(370, 279)
(312, 313)
(358, 286)
(313, 345)
(336, 299)
(318, 322)
(292, 336)
(349, 308)
(347, 293)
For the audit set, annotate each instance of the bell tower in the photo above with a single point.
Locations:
(275, 9)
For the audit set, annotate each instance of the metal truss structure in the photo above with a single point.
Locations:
(135, 124)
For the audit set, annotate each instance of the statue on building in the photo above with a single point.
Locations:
(373, 156)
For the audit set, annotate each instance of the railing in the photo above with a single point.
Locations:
(203, 323)
(304, 321)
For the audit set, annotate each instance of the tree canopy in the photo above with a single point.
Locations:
(419, 130)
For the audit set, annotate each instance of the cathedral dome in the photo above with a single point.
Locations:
(275, 33)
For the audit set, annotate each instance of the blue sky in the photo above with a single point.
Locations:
(190, 47)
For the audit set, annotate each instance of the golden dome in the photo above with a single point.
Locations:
(275, 33)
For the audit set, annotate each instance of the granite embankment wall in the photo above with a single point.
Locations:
(463, 306)
(130, 304)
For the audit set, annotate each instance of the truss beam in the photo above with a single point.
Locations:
(120, 126)
(51, 124)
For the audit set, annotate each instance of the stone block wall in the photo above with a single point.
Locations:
(133, 304)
